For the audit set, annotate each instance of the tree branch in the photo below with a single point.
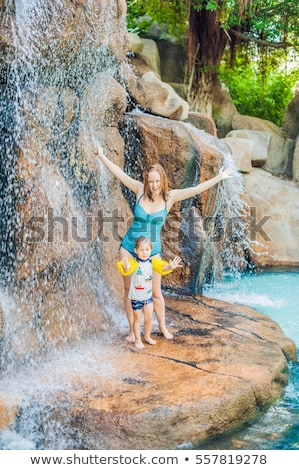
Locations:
(261, 42)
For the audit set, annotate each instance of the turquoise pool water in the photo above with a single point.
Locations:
(275, 293)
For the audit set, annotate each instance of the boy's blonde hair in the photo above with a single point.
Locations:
(142, 239)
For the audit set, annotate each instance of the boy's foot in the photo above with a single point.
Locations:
(150, 340)
(139, 345)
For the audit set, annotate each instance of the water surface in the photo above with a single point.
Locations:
(276, 294)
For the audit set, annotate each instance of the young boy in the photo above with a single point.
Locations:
(140, 292)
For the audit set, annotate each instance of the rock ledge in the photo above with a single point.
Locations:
(225, 363)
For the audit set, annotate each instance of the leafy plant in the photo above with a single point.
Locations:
(171, 15)
(264, 94)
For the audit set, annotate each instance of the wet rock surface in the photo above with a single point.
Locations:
(225, 363)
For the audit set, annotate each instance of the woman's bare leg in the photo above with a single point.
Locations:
(127, 301)
(159, 305)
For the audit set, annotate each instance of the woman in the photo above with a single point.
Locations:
(153, 203)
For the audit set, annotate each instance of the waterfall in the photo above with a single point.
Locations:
(225, 227)
(61, 87)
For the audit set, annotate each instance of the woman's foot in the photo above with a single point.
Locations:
(139, 345)
(166, 333)
(150, 340)
(131, 338)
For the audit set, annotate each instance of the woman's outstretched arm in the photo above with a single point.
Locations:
(181, 194)
(133, 185)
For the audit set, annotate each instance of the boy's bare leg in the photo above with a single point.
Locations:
(136, 328)
(148, 323)
(159, 305)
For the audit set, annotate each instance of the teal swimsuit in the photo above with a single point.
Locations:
(148, 225)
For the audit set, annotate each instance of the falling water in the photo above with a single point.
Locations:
(226, 241)
(56, 66)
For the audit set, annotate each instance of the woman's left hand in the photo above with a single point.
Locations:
(175, 262)
(228, 173)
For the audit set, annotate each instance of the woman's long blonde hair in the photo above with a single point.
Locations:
(163, 181)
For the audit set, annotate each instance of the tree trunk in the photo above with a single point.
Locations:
(206, 43)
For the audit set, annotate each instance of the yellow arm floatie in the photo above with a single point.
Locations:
(133, 266)
(158, 265)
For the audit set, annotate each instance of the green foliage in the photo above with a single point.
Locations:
(273, 20)
(171, 15)
(269, 31)
(209, 5)
(212, 5)
(257, 95)
(137, 19)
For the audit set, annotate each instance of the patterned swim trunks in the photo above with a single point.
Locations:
(138, 304)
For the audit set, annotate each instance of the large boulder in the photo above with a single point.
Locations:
(161, 99)
(296, 161)
(173, 60)
(153, 95)
(280, 151)
(189, 156)
(260, 142)
(274, 208)
(202, 121)
(146, 50)
(290, 119)
(241, 150)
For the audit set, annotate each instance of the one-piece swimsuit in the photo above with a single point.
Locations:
(148, 225)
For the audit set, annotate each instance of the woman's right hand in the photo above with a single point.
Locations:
(134, 185)
(126, 264)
